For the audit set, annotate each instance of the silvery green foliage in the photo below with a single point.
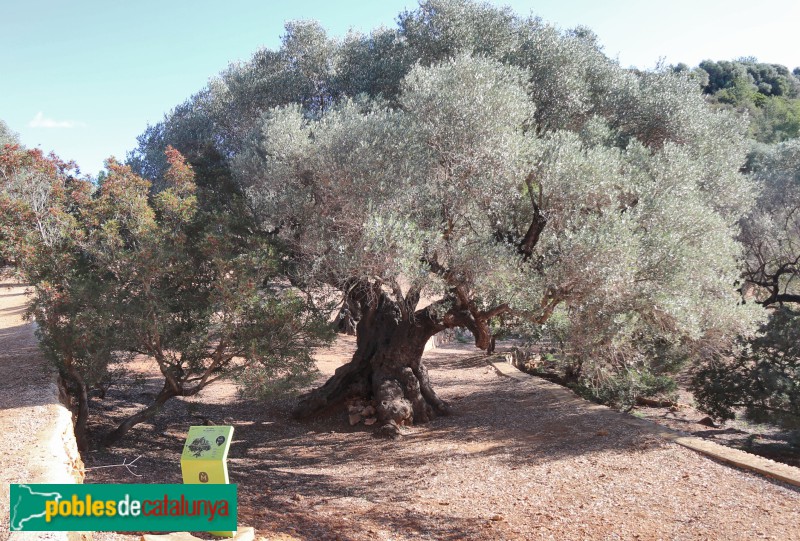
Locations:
(383, 157)
(441, 29)
(638, 243)
(372, 64)
(212, 125)
(568, 72)
(572, 79)
(362, 188)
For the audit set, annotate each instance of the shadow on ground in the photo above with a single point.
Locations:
(288, 470)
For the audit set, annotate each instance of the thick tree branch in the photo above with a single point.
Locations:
(496, 311)
(401, 301)
(781, 298)
(531, 238)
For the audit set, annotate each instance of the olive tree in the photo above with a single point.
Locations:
(496, 167)
(761, 376)
(771, 232)
(452, 196)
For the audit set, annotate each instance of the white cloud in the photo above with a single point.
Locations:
(41, 121)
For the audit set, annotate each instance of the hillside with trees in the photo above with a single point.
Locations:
(769, 94)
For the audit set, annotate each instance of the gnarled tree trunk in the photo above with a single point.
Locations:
(386, 368)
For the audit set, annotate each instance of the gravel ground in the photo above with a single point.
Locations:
(512, 463)
(33, 423)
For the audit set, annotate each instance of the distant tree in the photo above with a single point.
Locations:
(776, 119)
(742, 94)
(698, 75)
(723, 75)
(766, 79)
(506, 170)
(771, 232)
(768, 94)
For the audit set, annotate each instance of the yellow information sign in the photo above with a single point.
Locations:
(205, 457)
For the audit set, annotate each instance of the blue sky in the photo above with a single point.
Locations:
(84, 78)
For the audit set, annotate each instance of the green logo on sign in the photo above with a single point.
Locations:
(135, 507)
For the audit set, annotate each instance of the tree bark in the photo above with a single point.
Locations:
(386, 368)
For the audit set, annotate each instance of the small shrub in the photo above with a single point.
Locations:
(621, 388)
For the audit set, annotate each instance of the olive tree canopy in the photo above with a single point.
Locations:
(504, 169)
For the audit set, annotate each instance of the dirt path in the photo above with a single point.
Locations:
(511, 463)
(33, 424)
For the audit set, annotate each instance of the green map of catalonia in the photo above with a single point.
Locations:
(28, 506)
